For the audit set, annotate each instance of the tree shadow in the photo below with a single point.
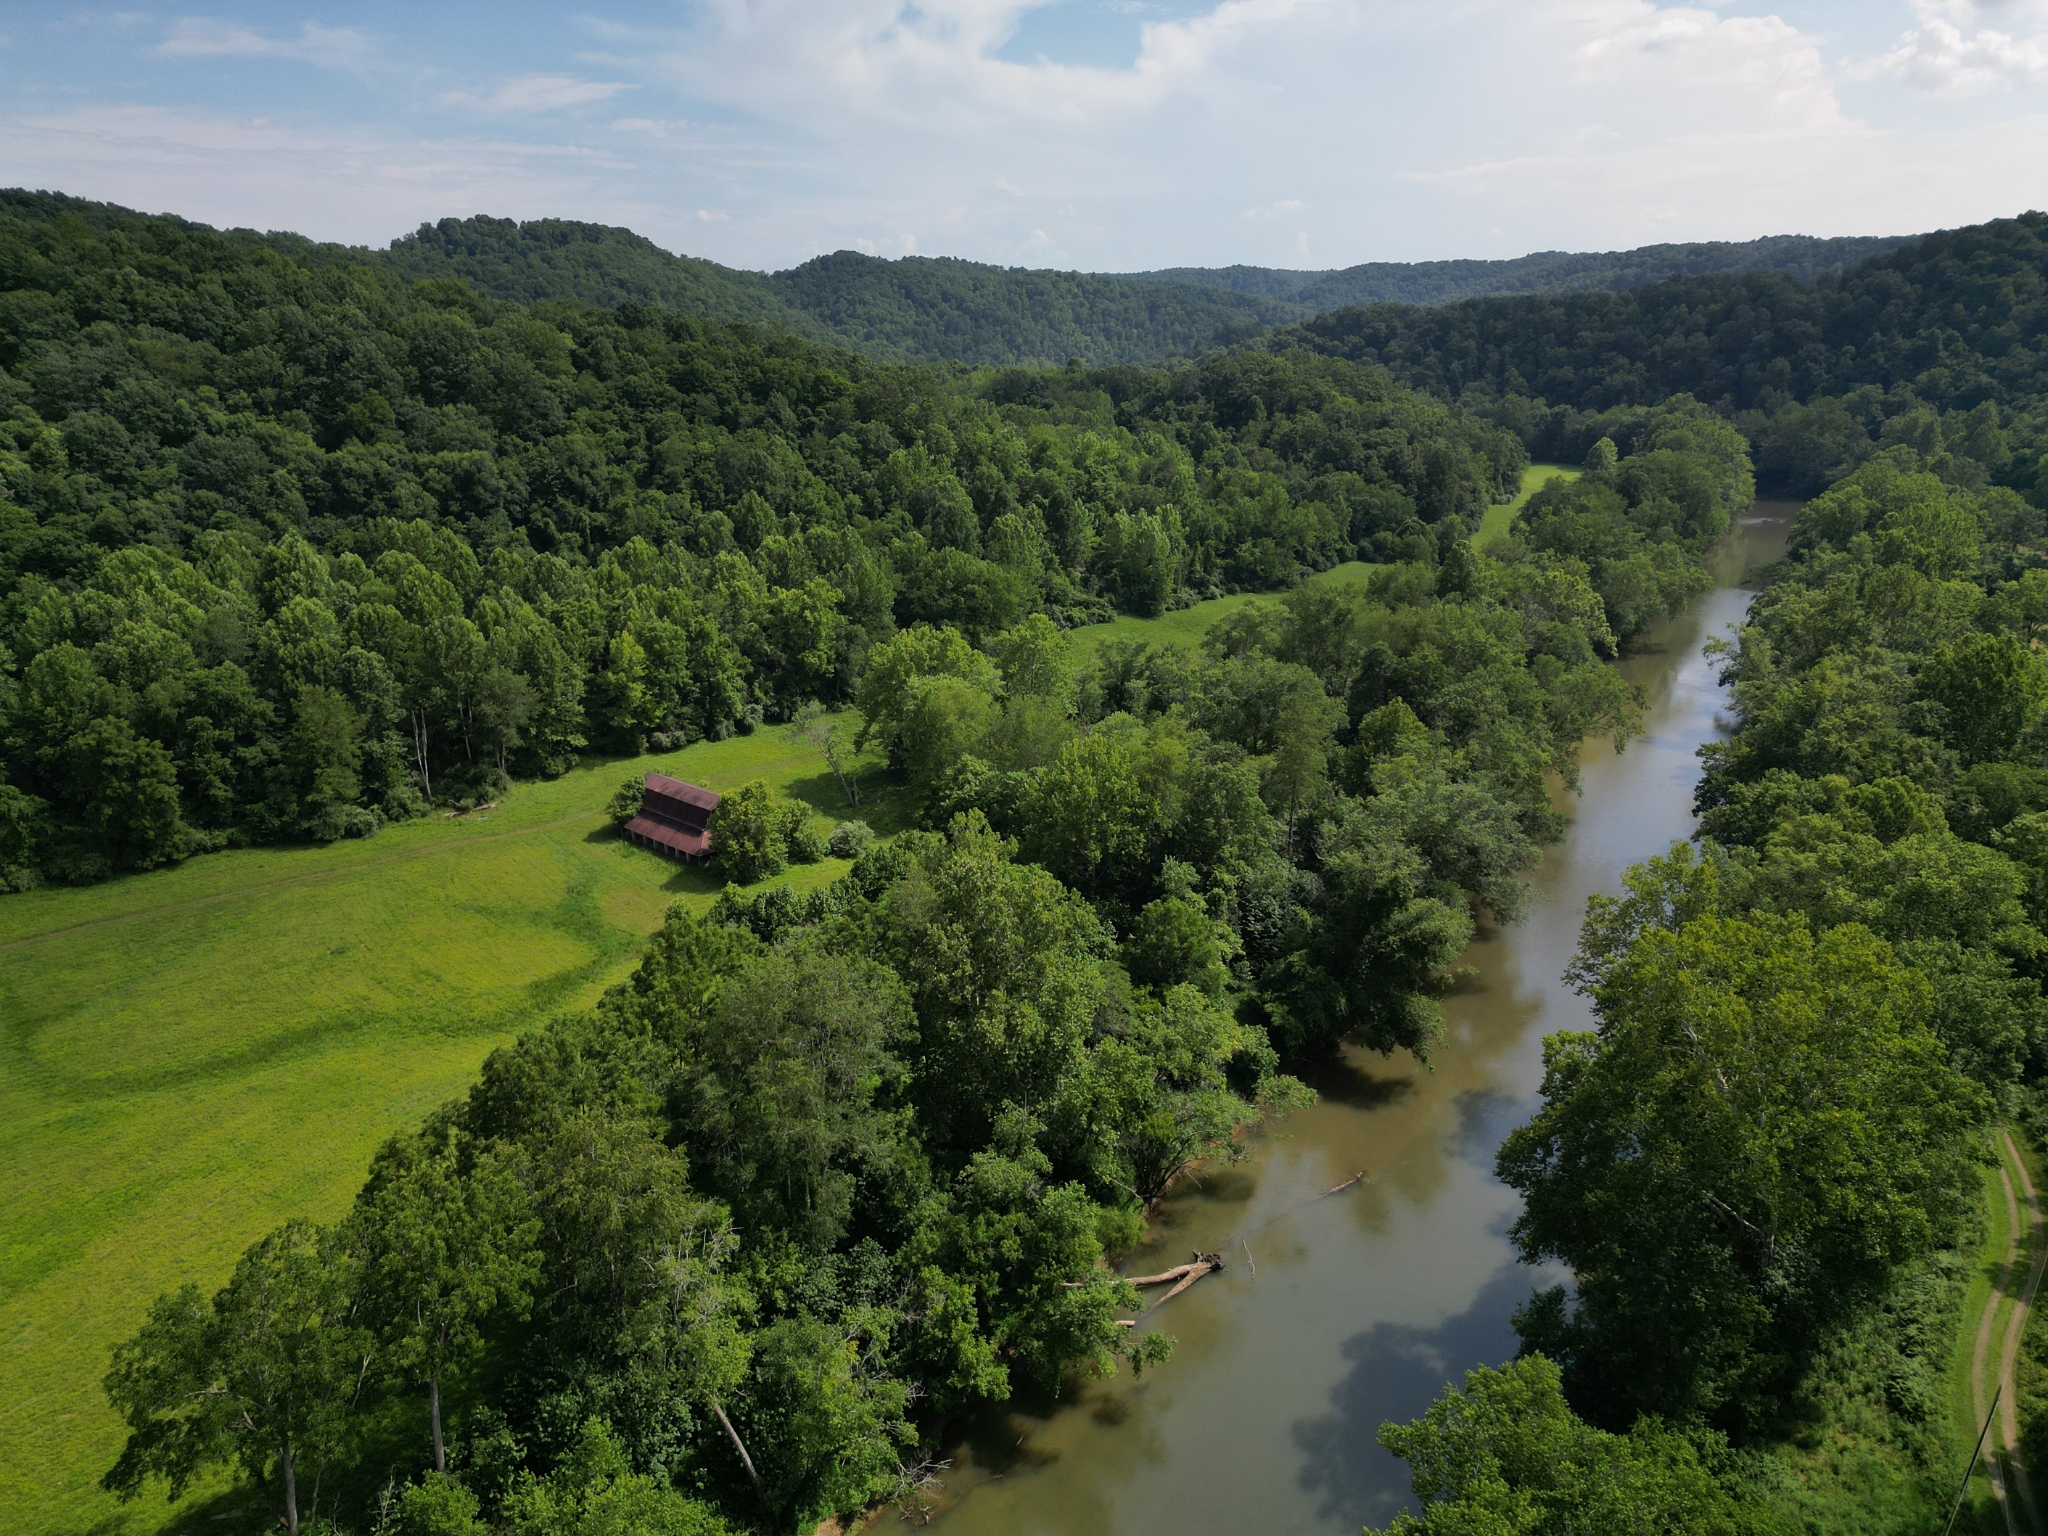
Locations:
(1345, 1082)
(1396, 1371)
(1485, 1116)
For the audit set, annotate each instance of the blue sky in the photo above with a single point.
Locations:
(1101, 134)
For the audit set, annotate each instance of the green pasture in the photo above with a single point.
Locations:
(1494, 523)
(1186, 626)
(193, 1055)
(1496, 519)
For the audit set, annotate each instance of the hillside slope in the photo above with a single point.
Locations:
(1443, 282)
(921, 309)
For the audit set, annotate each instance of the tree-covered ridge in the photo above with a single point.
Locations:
(577, 263)
(292, 546)
(1959, 315)
(1445, 282)
(1937, 345)
(916, 309)
(924, 309)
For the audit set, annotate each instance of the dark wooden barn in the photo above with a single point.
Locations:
(674, 819)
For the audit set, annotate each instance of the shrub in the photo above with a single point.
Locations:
(625, 801)
(850, 839)
(807, 844)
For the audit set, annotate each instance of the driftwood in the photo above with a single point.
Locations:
(1181, 1276)
(1338, 1189)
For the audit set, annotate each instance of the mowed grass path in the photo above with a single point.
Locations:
(191, 1056)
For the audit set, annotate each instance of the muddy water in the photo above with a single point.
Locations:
(1339, 1312)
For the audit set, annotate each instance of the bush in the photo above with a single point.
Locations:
(333, 822)
(439, 1506)
(625, 801)
(807, 844)
(850, 839)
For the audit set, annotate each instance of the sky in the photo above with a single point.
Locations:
(1105, 135)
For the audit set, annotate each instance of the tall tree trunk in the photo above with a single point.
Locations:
(734, 1435)
(291, 1490)
(434, 1396)
(419, 747)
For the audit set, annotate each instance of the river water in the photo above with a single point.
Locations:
(1337, 1312)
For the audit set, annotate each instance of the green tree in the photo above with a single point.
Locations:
(268, 1373)
(1764, 1127)
(886, 693)
(1507, 1457)
(437, 1505)
(446, 1246)
(787, 1099)
(596, 1492)
(831, 740)
(326, 748)
(1991, 688)
(751, 829)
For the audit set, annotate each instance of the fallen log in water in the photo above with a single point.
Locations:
(1181, 1276)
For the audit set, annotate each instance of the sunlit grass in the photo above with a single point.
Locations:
(190, 1056)
(1494, 523)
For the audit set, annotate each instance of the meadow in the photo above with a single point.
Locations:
(1493, 523)
(194, 1055)
(1186, 626)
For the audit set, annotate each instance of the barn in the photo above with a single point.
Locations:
(674, 820)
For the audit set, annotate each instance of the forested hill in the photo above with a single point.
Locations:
(1443, 282)
(1960, 315)
(1938, 345)
(915, 310)
(936, 309)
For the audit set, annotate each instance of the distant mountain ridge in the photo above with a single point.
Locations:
(926, 309)
(1804, 257)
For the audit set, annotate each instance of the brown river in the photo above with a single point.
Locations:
(1337, 1312)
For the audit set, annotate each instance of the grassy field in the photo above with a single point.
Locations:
(193, 1055)
(1186, 626)
(1993, 1289)
(1496, 519)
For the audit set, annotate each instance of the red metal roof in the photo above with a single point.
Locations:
(674, 815)
(694, 842)
(689, 794)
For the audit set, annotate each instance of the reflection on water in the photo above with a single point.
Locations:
(1340, 1311)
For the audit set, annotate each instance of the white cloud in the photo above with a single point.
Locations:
(542, 93)
(1940, 56)
(707, 216)
(204, 37)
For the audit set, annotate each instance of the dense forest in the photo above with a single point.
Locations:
(940, 310)
(1445, 282)
(292, 549)
(830, 1169)
(1935, 346)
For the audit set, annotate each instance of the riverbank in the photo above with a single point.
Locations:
(1362, 1306)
